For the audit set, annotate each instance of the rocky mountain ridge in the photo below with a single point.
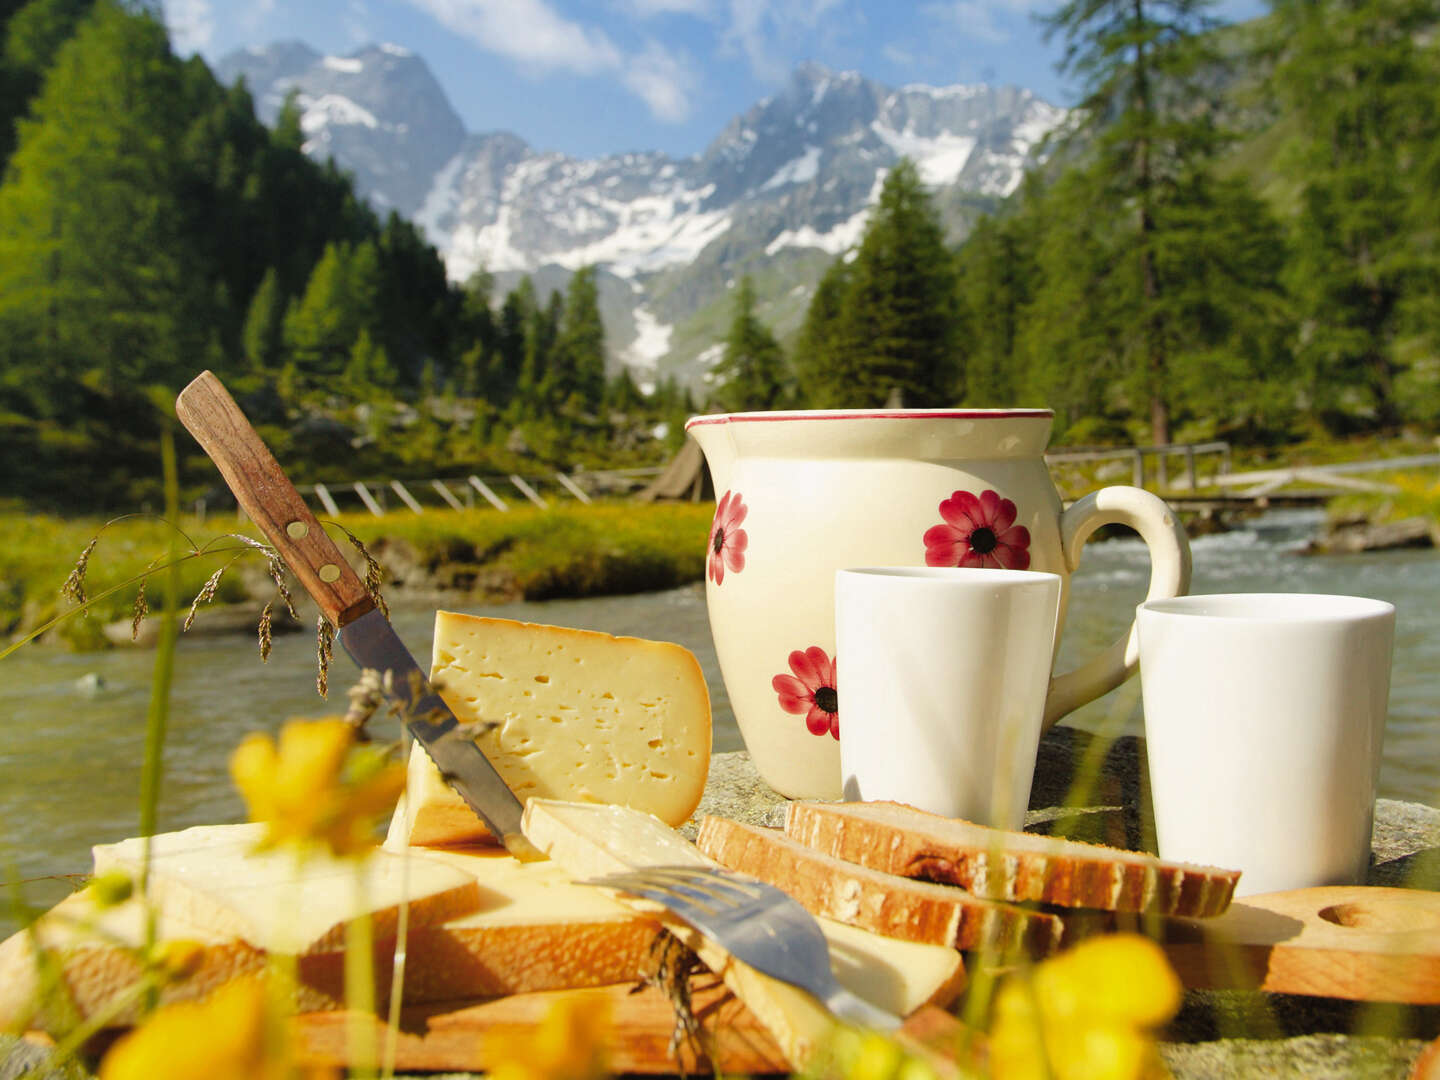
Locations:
(781, 191)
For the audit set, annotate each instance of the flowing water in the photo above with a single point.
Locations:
(70, 759)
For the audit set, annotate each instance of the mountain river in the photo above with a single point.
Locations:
(69, 764)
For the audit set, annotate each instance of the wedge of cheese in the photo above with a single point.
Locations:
(899, 976)
(211, 877)
(576, 715)
(534, 929)
(80, 958)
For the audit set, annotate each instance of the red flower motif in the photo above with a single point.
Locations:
(978, 532)
(727, 540)
(811, 691)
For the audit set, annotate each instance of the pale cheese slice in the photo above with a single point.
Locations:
(898, 976)
(577, 715)
(213, 877)
(81, 961)
(534, 929)
(80, 958)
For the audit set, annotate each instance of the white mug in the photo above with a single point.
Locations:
(1264, 716)
(946, 671)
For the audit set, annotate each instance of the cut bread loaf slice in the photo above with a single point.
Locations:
(211, 877)
(899, 976)
(573, 714)
(875, 900)
(534, 929)
(1003, 865)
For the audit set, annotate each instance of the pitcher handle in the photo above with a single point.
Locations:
(1163, 534)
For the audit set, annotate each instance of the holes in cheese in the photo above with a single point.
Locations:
(577, 715)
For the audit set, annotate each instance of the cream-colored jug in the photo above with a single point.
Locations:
(803, 494)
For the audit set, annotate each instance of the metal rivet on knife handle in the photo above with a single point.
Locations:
(297, 530)
(329, 572)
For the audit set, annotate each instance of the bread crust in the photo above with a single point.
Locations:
(1000, 865)
(877, 900)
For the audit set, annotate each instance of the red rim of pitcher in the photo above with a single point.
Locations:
(860, 414)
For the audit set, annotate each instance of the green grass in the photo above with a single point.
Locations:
(527, 553)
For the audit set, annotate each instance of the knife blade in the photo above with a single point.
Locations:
(264, 492)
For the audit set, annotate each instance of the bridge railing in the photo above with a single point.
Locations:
(1139, 456)
(502, 492)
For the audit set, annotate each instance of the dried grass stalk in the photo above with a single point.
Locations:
(374, 575)
(277, 575)
(74, 587)
(205, 595)
(324, 652)
(140, 609)
(264, 630)
(674, 963)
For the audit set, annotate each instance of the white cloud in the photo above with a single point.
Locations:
(978, 18)
(191, 24)
(898, 54)
(662, 80)
(528, 31)
(646, 9)
(768, 32)
(533, 33)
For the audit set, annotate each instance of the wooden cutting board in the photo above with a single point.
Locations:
(452, 1036)
(1356, 942)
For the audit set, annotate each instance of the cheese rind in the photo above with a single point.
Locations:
(81, 960)
(534, 929)
(577, 715)
(212, 877)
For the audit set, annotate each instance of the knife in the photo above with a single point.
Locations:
(261, 488)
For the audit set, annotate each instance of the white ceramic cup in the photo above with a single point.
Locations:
(943, 673)
(1264, 716)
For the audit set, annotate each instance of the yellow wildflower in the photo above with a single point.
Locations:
(1088, 1014)
(235, 1034)
(317, 786)
(567, 1044)
(856, 1054)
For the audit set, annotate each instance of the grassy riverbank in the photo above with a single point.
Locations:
(527, 553)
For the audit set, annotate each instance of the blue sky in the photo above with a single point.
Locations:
(607, 76)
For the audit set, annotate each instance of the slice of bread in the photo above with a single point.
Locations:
(875, 900)
(1004, 865)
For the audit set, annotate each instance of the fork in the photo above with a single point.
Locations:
(757, 924)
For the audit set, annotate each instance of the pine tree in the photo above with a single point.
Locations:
(264, 322)
(884, 326)
(31, 35)
(321, 326)
(96, 273)
(995, 272)
(1144, 66)
(751, 373)
(896, 333)
(1362, 87)
(578, 363)
(816, 347)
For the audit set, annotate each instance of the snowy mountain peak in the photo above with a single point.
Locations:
(796, 172)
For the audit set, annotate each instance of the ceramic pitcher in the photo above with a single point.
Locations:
(802, 494)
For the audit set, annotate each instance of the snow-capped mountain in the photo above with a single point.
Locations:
(378, 112)
(786, 186)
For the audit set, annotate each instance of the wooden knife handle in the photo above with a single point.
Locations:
(263, 491)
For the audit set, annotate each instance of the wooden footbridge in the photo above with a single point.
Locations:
(1196, 477)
